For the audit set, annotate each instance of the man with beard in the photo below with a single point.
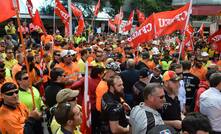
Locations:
(171, 111)
(198, 70)
(113, 115)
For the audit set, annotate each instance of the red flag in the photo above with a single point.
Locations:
(112, 26)
(189, 30)
(77, 12)
(80, 28)
(97, 7)
(7, 10)
(201, 30)
(128, 26)
(141, 17)
(215, 39)
(118, 17)
(30, 7)
(37, 21)
(144, 33)
(188, 43)
(170, 21)
(63, 14)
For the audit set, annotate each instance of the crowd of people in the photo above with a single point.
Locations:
(150, 89)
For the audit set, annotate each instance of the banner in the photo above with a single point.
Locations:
(141, 17)
(128, 26)
(144, 33)
(112, 26)
(170, 21)
(97, 7)
(7, 10)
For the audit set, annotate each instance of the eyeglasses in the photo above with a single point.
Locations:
(9, 52)
(11, 93)
(25, 78)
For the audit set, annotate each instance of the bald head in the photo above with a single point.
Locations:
(130, 63)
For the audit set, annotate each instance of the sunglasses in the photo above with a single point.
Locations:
(25, 78)
(11, 93)
(10, 52)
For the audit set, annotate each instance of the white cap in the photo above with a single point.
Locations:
(67, 52)
(204, 54)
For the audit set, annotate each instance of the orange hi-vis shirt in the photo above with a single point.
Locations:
(72, 70)
(199, 72)
(101, 89)
(12, 121)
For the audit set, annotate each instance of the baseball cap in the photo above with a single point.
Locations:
(67, 52)
(162, 129)
(170, 75)
(65, 94)
(144, 72)
(113, 66)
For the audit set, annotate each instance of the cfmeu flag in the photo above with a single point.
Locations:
(143, 33)
(170, 21)
(63, 14)
(215, 39)
(128, 26)
(86, 107)
(7, 9)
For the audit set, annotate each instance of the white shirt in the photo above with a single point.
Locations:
(210, 105)
(182, 95)
(138, 119)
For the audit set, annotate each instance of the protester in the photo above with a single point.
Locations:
(210, 102)
(113, 116)
(145, 116)
(171, 111)
(15, 115)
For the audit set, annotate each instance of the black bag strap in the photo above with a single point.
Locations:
(150, 121)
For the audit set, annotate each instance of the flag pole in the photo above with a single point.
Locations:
(54, 20)
(70, 20)
(15, 4)
(187, 21)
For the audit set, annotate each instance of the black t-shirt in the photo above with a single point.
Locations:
(139, 85)
(112, 110)
(171, 108)
(191, 84)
